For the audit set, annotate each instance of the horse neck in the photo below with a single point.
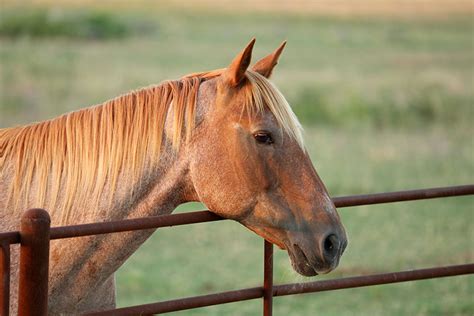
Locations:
(162, 188)
(169, 185)
(163, 184)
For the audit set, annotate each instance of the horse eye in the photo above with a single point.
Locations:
(263, 138)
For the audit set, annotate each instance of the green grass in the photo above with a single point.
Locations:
(334, 71)
(56, 23)
(387, 105)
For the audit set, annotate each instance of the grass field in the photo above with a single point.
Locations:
(387, 104)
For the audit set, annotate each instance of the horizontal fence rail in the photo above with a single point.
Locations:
(268, 290)
(291, 289)
(207, 216)
(374, 279)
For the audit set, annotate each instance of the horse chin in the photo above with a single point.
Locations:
(300, 262)
(303, 269)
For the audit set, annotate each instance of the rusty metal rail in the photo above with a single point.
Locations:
(374, 279)
(291, 289)
(403, 196)
(34, 263)
(207, 216)
(5, 277)
(34, 257)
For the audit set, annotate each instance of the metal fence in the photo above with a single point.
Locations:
(35, 235)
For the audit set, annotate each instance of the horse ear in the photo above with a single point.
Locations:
(237, 68)
(265, 65)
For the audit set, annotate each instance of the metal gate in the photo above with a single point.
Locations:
(36, 234)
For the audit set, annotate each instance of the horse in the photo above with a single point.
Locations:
(226, 138)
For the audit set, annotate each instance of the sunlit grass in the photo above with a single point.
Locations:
(334, 71)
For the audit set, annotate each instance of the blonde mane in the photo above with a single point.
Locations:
(89, 149)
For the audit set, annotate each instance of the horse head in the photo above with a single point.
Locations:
(249, 164)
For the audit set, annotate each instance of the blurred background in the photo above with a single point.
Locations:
(383, 88)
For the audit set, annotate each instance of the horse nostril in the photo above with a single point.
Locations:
(331, 244)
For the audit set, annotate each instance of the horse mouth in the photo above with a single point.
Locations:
(300, 262)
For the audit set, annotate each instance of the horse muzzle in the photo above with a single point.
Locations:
(311, 260)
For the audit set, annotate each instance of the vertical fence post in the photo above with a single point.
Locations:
(5, 277)
(268, 279)
(34, 262)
